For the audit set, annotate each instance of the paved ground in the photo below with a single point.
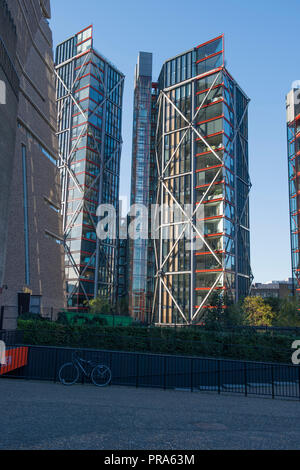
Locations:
(37, 415)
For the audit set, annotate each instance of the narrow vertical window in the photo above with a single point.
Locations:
(25, 205)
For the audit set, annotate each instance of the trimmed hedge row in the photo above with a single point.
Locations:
(254, 346)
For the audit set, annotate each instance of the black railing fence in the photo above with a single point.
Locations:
(12, 337)
(281, 330)
(237, 329)
(194, 374)
(9, 313)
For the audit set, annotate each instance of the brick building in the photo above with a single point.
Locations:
(34, 272)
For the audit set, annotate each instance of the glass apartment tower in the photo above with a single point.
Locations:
(202, 163)
(143, 188)
(89, 106)
(293, 137)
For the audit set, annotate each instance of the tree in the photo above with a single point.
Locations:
(258, 312)
(100, 305)
(275, 304)
(236, 314)
(288, 314)
(122, 306)
(220, 312)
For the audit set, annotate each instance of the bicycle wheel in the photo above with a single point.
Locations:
(101, 376)
(68, 374)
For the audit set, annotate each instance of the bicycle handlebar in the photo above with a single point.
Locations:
(75, 356)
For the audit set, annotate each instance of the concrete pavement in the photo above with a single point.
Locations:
(41, 415)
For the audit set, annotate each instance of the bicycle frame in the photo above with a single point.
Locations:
(77, 361)
(99, 374)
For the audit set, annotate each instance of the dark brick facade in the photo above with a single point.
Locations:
(35, 259)
(8, 120)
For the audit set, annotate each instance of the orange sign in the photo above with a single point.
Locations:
(15, 358)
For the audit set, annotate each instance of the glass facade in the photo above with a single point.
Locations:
(293, 138)
(123, 244)
(202, 148)
(89, 106)
(143, 184)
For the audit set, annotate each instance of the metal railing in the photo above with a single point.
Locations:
(281, 330)
(11, 337)
(193, 374)
(9, 315)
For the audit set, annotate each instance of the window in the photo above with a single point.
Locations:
(84, 46)
(53, 206)
(53, 237)
(212, 47)
(45, 13)
(84, 35)
(35, 304)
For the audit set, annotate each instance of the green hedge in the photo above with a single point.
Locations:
(248, 346)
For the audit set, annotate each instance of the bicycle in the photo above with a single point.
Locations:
(69, 373)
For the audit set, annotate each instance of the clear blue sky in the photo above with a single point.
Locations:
(261, 39)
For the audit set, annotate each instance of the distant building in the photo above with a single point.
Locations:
(34, 272)
(190, 148)
(293, 137)
(89, 105)
(123, 256)
(203, 162)
(143, 188)
(273, 289)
